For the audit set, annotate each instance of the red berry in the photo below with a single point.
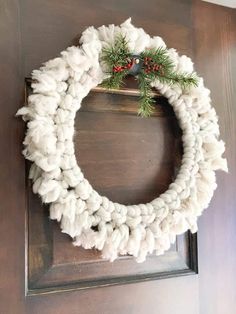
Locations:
(155, 67)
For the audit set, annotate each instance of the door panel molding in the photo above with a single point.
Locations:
(53, 263)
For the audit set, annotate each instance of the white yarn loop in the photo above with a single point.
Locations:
(92, 220)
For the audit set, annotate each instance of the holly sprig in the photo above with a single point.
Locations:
(155, 65)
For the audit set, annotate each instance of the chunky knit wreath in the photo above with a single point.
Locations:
(93, 221)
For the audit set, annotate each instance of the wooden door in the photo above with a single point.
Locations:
(41, 272)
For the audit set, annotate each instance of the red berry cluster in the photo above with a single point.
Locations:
(119, 68)
(150, 66)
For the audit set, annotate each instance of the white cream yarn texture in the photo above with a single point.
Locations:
(93, 221)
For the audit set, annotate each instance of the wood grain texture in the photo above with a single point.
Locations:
(35, 31)
(55, 266)
(64, 21)
(130, 160)
(215, 48)
(12, 172)
(163, 296)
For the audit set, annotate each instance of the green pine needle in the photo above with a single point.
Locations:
(112, 56)
(168, 75)
(146, 102)
(115, 81)
(118, 54)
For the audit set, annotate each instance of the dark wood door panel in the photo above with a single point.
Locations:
(55, 265)
(149, 297)
(64, 21)
(35, 31)
(128, 159)
(124, 147)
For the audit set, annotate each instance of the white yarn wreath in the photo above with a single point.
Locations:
(93, 221)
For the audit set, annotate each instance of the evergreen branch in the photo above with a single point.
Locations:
(166, 73)
(174, 78)
(184, 80)
(146, 100)
(155, 64)
(159, 56)
(116, 56)
(114, 81)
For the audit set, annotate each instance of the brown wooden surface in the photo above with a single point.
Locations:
(34, 31)
(128, 159)
(215, 49)
(12, 200)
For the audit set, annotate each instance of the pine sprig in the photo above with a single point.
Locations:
(184, 80)
(117, 53)
(158, 56)
(155, 65)
(146, 102)
(114, 57)
(165, 72)
(115, 81)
